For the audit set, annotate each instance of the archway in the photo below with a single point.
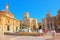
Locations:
(8, 28)
(16, 29)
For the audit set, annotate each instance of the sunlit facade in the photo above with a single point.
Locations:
(51, 22)
(7, 21)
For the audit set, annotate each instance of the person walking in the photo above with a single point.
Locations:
(45, 31)
(53, 33)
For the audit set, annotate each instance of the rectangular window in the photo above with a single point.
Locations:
(48, 26)
(51, 20)
(47, 20)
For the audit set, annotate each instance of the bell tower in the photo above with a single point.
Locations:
(26, 15)
(48, 14)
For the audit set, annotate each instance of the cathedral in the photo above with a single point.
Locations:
(28, 22)
(7, 21)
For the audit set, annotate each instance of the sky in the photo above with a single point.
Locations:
(36, 8)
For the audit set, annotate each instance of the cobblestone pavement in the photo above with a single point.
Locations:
(57, 37)
(11, 37)
(28, 38)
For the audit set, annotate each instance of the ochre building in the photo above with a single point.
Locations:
(7, 21)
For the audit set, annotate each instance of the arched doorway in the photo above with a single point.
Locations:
(16, 29)
(8, 28)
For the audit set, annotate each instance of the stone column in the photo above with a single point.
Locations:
(1, 33)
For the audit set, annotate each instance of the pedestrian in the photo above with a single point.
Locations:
(53, 34)
(40, 31)
(45, 31)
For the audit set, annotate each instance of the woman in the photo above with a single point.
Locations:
(45, 31)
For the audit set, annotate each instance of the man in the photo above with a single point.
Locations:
(40, 31)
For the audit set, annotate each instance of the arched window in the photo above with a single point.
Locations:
(48, 27)
(8, 27)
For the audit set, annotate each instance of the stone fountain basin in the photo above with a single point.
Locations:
(25, 34)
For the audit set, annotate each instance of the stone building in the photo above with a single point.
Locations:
(29, 22)
(57, 20)
(7, 21)
(51, 22)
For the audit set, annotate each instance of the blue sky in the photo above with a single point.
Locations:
(36, 8)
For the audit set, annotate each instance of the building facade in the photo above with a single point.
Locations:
(51, 22)
(7, 21)
(29, 22)
(57, 21)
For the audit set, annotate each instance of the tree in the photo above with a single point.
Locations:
(40, 26)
